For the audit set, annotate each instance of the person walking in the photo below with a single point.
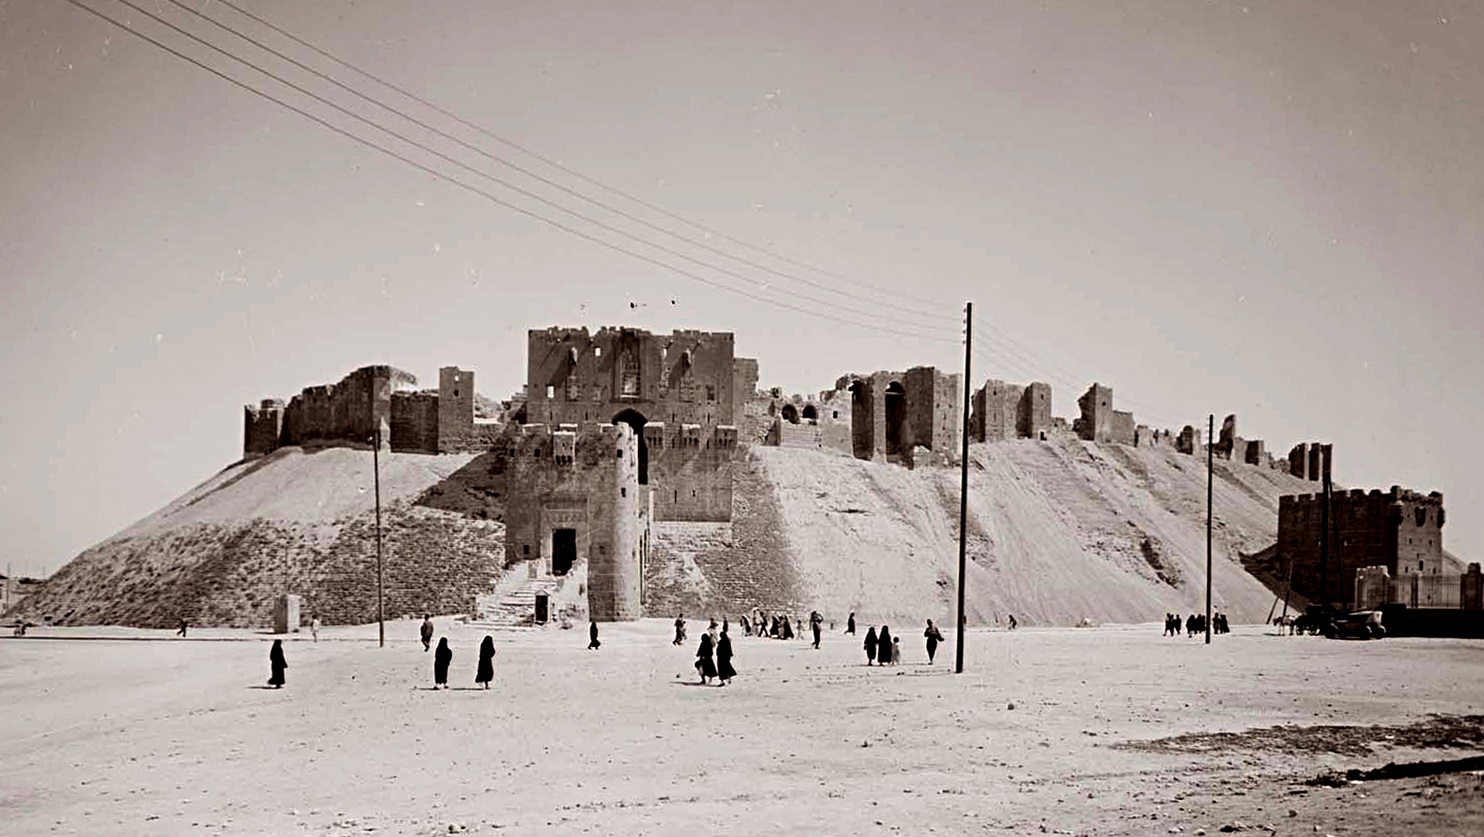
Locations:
(896, 650)
(816, 624)
(314, 627)
(724, 670)
(679, 629)
(277, 663)
(850, 623)
(181, 632)
(427, 630)
(592, 635)
(441, 658)
(933, 638)
(486, 670)
(1013, 623)
(705, 665)
(883, 646)
(871, 645)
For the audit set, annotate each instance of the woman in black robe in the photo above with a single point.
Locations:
(276, 660)
(704, 664)
(786, 631)
(486, 671)
(592, 635)
(933, 638)
(441, 658)
(724, 670)
(883, 645)
(871, 645)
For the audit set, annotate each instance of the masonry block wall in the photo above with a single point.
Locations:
(581, 492)
(262, 426)
(1033, 417)
(1096, 421)
(415, 422)
(1310, 460)
(893, 412)
(744, 385)
(1400, 530)
(1123, 428)
(1256, 453)
(348, 411)
(682, 382)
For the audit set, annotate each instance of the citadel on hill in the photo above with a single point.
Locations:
(621, 430)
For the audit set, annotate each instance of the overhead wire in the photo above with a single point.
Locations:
(938, 319)
(894, 292)
(474, 189)
(517, 189)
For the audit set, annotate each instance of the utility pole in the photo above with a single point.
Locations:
(376, 471)
(1324, 544)
(1210, 481)
(963, 492)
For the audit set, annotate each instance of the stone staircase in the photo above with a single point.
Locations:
(512, 603)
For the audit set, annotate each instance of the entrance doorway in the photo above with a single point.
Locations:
(636, 420)
(563, 550)
(896, 409)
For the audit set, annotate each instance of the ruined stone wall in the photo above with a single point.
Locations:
(1034, 414)
(1146, 437)
(1189, 441)
(415, 422)
(744, 385)
(586, 481)
(835, 421)
(1310, 460)
(1256, 453)
(262, 427)
(893, 412)
(1096, 421)
(350, 411)
(1226, 441)
(1123, 428)
(682, 380)
(994, 412)
(1400, 530)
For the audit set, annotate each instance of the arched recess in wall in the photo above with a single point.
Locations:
(790, 414)
(635, 419)
(896, 412)
(862, 423)
(810, 414)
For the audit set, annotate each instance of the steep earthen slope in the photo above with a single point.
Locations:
(290, 522)
(1058, 531)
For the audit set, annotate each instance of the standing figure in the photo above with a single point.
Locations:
(850, 623)
(1013, 623)
(883, 646)
(679, 629)
(182, 630)
(871, 645)
(785, 632)
(724, 670)
(816, 624)
(441, 658)
(314, 627)
(427, 630)
(896, 650)
(933, 638)
(486, 670)
(592, 635)
(704, 664)
(277, 663)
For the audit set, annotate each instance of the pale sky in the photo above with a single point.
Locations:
(1271, 209)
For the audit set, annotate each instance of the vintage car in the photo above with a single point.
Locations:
(1362, 624)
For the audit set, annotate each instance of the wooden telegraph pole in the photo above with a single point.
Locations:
(963, 493)
(376, 471)
(1210, 481)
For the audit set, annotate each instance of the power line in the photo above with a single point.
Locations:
(896, 293)
(481, 192)
(938, 320)
(600, 224)
(524, 192)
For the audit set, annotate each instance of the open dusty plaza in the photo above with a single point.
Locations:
(1056, 730)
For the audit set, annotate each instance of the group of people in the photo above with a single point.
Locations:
(1195, 623)
(884, 649)
(719, 646)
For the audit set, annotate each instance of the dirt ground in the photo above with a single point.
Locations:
(1106, 731)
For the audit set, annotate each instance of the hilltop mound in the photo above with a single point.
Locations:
(293, 521)
(1059, 531)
